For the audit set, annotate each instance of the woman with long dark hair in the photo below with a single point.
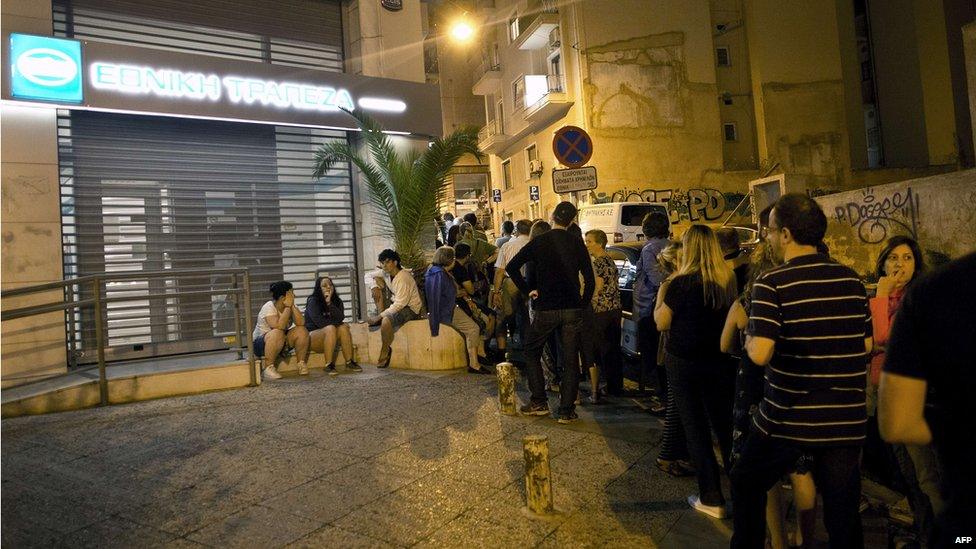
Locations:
(693, 304)
(899, 264)
(325, 320)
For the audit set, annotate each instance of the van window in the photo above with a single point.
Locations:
(631, 215)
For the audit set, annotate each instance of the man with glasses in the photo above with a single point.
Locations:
(810, 327)
(406, 305)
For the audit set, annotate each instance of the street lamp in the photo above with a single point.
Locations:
(461, 30)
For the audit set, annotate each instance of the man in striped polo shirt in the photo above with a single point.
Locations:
(811, 327)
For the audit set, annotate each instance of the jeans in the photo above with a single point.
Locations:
(703, 393)
(836, 473)
(566, 323)
(601, 346)
(647, 341)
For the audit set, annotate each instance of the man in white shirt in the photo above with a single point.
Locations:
(505, 297)
(406, 305)
(280, 325)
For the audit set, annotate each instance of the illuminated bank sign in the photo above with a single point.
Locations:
(45, 68)
(172, 83)
(111, 77)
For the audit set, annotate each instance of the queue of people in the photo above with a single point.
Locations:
(780, 359)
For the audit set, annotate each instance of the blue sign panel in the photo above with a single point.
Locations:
(572, 146)
(496, 195)
(534, 193)
(45, 68)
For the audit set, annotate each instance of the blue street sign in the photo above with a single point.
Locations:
(534, 193)
(496, 195)
(572, 146)
(45, 68)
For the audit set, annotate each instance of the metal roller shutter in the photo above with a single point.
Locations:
(144, 193)
(153, 193)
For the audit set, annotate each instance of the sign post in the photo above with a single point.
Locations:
(534, 193)
(496, 195)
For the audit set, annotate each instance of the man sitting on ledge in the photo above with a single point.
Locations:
(406, 304)
(275, 331)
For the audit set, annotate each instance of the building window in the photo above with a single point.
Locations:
(507, 174)
(518, 93)
(729, 130)
(531, 156)
(723, 59)
(513, 28)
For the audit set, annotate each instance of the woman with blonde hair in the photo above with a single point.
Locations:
(693, 304)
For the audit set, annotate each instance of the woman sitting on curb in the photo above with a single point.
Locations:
(324, 319)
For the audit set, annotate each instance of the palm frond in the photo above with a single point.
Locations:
(408, 188)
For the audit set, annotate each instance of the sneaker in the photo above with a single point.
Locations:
(353, 367)
(302, 369)
(531, 409)
(330, 369)
(716, 511)
(270, 373)
(566, 418)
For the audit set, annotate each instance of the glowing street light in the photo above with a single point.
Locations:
(462, 31)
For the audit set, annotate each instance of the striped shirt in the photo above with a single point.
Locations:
(816, 311)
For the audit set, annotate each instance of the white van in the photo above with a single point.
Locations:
(620, 220)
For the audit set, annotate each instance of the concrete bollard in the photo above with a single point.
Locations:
(506, 388)
(538, 479)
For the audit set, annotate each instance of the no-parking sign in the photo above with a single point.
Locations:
(572, 146)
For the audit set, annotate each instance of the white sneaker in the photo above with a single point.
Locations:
(270, 373)
(302, 369)
(717, 511)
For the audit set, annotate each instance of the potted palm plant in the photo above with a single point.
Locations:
(408, 188)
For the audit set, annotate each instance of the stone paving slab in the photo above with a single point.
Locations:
(381, 459)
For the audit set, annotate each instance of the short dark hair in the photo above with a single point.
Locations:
(802, 216)
(598, 236)
(656, 225)
(507, 227)
(564, 213)
(390, 254)
(575, 230)
(471, 218)
(893, 243)
(279, 289)
(523, 226)
(728, 239)
(448, 216)
(462, 250)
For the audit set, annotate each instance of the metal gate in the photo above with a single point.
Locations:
(142, 193)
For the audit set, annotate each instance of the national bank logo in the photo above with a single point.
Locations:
(45, 68)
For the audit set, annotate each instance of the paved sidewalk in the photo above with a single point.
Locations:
(375, 459)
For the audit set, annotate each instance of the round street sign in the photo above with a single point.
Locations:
(572, 146)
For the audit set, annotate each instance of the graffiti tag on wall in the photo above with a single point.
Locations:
(696, 204)
(875, 217)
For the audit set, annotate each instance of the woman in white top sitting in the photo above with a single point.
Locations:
(406, 304)
(281, 325)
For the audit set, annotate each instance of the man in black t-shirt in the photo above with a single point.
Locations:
(929, 382)
(560, 258)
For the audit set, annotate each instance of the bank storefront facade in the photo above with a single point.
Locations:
(186, 136)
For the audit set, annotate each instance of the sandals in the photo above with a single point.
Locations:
(676, 468)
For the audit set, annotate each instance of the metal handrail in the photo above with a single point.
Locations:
(98, 302)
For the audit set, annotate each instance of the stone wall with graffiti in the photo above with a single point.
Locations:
(695, 205)
(939, 212)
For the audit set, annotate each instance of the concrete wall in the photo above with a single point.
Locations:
(797, 84)
(734, 85)
(33, 347)
(938, 211)
(384, 43)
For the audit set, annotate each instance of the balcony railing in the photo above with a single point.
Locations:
(537, 88)
(534, 27)
(487, 77)
(491, 129)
